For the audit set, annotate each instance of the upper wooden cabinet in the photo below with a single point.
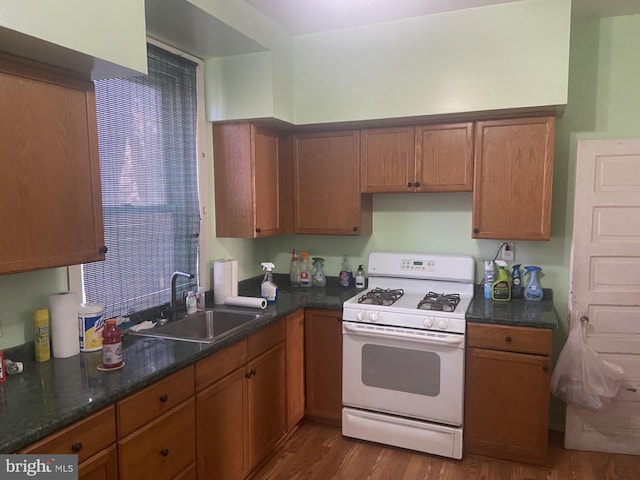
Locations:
(513, 178)
(248, 178)
(423, 158)
(326, 175)
(50, 205)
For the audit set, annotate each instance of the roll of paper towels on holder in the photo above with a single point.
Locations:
(249, 302)
(225, 280)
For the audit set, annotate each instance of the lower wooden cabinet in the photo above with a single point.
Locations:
(507, 392)
(92, 439)
(295, 369)
(323, 365)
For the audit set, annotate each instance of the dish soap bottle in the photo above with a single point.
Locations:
(268, 289)
(346, 274)
(533, 292)
(360, 277)
(516, 282)
(191, 303)
(293, 270)
(319, 278)
(304, 277)
(500, 288)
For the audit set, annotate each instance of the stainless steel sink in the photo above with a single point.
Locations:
(203, 327)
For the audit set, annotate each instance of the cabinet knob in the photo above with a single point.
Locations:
(545, 368)
(409, 184)
(164, 452)
(253, 371)
(103, 249)
(475, 230)
(417, 184)
(164, 398)
(355, 229)
(76, 447)
(507, 339)
(258, 230)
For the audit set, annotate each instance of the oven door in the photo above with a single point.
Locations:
(407, 372)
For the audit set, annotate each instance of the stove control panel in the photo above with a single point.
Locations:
(417, 265)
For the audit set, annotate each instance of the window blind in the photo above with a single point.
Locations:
(147, 129)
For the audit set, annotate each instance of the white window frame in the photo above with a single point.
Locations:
(74, 272)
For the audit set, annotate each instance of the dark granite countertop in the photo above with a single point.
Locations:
(50, 395)
(516, 312)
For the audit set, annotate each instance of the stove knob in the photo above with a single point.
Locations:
(428, 322)
(360, 315)
(373, 317)
(443, 324)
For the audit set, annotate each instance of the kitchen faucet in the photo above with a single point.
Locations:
(174, 277)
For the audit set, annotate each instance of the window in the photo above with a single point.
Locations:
(147, 138)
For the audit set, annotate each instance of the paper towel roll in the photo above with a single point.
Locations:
(225, 280)
(250, 302)
(64, 324)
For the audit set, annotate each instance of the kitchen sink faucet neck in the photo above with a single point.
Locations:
(174, 277)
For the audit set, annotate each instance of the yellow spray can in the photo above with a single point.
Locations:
(41, 330)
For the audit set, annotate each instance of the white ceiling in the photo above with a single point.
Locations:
(301, 17)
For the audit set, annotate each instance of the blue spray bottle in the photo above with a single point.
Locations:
(533, 292)
(516, 282)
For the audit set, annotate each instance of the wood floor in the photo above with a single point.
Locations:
(318, 452)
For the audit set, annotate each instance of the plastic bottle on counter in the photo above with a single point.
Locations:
(41, 331)
(516, 282)
(304, 275)
(489, 277)
(293, 270)
(533, 292)
(191, 303)
(345, 277)
(200, 299)
(111, 345)
(319, 278)
(501, 288)
(360, 277)
(268, 289)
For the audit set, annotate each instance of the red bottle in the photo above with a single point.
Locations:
(111, 345)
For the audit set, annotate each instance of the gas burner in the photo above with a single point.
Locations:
(381, 296)
(439, 301)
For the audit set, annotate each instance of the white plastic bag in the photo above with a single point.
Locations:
(580, 377)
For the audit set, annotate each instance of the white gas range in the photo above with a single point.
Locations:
(403, 352)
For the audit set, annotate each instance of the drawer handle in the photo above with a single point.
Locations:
(417, 184)
(164, 452)
(508, 339)
(76, 447)
(409, 184)
(164, 398)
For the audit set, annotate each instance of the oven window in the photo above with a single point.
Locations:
(401, 369)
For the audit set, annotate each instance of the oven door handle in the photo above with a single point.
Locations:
(448, 340)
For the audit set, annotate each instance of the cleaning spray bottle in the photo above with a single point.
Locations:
(319, 278)
(293, 270)
(268, 289)
(533, 292)
(516, 282)
(501, 288)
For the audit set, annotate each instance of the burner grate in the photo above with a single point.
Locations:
(381, 296)
(439, 301)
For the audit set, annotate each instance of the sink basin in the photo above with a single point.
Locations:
(203, 327)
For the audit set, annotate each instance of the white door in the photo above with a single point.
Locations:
(605, 286)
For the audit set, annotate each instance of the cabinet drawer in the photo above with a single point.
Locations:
(153, 401)
(509, 338)
(266, 338)
(163, 448)
(84, 438)
(211, 369)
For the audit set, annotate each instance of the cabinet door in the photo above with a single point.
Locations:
(506, 405)
(387, 160)
(247, 180)
(326, 175)
(102, 466)
(295, 369)
(266, 181)
(323, 354)
(221, 430)
(267, 402)
(513, 179)
(51, 204)
(444, 158)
